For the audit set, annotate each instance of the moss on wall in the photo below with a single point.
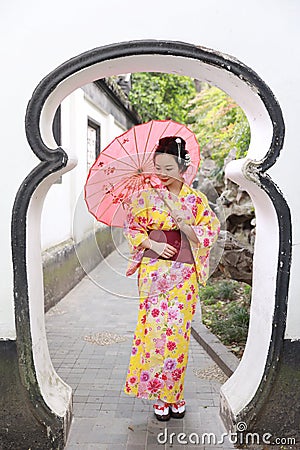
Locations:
(68, 262)
(21, 426)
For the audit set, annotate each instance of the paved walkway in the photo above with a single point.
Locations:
(89, 334)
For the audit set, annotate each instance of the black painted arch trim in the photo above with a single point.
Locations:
(151, 47)
(54, 160)
(251, 413)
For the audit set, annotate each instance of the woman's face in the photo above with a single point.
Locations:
(166, 168)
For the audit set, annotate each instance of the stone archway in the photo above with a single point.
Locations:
(242, 396)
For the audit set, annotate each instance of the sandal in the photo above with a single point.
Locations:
(162, 412)
(178, 409)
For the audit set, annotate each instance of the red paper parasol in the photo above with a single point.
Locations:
(126, 166)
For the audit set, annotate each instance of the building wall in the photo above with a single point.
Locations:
(68, 231)
(63, 198)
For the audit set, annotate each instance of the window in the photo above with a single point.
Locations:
(93, 142)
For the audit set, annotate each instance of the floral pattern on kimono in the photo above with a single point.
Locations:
(168, 292)
(147, 211)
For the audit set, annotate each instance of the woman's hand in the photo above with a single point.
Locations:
(163, 249)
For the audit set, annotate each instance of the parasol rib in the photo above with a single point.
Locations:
(162, 134)
(136, 148)
(116, 176)
(146, 145)
(114, 159)
(122, 183)
(124, 168)
(128, 154)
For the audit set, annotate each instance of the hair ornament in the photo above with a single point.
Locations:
(178, 142)
(187, 159)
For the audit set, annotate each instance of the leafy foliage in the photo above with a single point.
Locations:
(225, 311)
(221, 127)
(161, 96)
(219, 124)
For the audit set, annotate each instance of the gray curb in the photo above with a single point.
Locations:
(220, 354)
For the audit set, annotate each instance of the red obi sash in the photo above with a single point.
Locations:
(175, 238)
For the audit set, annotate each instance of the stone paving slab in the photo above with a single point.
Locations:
(105, 305)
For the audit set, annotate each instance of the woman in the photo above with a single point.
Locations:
(170, 231)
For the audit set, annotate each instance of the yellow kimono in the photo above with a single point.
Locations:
(168, 291)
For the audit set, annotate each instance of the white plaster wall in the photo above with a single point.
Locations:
(55, 224)
(82, 221)
(36, 37)
(63, 199)
(110, 128)
(57, 210)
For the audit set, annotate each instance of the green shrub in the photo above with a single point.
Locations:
(233, 329)
(208, 292)
(227, 290)
(224, 289)
(225, 311)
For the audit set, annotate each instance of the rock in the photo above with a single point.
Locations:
(233, 254)
(236, 260)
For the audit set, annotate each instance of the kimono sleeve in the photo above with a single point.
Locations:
(207, 225)
(135, 226)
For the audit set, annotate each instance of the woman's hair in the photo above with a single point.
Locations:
(174, 145)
